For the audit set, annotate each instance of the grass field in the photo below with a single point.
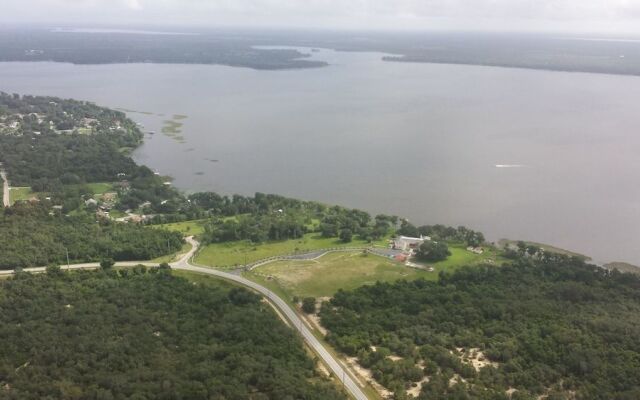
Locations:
(97, 188)
(114, 213)
(100, 187)
(20, 193)
(460, 257)
(333, 271)
(187, 228)
(25, 193)
(236, 253)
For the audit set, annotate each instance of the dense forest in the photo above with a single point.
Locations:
(145, 334)
(32, 237)
(546, 324)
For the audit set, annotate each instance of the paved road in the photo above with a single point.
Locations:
(5, 189)
(184, 264)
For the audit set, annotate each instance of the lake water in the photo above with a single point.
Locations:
(544, 156)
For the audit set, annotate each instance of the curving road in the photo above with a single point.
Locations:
(184, 264)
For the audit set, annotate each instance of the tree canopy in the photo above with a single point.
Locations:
(546, 325)
(145, 334)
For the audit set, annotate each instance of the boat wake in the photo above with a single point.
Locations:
(510, 165)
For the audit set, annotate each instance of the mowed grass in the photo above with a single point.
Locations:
(461, 257)
(187, 228)
(333, 271)
(20, 193)
(25, 193)
(100, 188)
(231, 254)
(97, 188)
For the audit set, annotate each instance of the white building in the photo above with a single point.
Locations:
(407, 243)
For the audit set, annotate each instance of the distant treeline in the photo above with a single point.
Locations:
(105, 48)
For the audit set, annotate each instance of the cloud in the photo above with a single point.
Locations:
(355, 14)
(133, 4)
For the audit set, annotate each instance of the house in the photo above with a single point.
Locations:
(407, 243)
(91, 203)
(476, 250)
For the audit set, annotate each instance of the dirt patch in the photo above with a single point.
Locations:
(476, 358)
(314, 321)
(323, 369)
(456, 379)
(367, 376)
(415, 390)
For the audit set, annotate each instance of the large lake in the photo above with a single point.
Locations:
(552, 157)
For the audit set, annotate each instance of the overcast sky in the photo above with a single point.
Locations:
(615, 16)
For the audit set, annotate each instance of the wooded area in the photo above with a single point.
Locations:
(145, 334)
(31, 238)
(547, 325)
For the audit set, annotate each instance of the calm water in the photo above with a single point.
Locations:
(417, 140)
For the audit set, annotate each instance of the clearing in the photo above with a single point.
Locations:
(187, 228)
(461, 257)
(20, 194)
(333, 271)
(231, 254)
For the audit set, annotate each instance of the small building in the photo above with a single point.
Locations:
(476, 250)
(91, 203)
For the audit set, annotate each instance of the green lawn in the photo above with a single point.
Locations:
(187, 228)
(460, 257)
(25, 193)
(21, 193)
(114, 213)
(97, 188)
(100, 188)
(236, 253)
(333, 271)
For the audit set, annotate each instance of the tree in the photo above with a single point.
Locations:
(107, 263)
(309, 305)
(346, 235)
(54, 270)
(433, 251)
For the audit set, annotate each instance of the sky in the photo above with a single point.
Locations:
(589, 16)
